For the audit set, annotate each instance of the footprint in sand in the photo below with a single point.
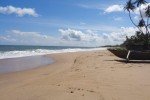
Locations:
(58, 85)
(112, 67)
(73, 90)
(90, 91)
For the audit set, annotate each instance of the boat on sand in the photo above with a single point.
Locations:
(134, 54)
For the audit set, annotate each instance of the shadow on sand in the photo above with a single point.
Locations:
(131, 61)
(134, 61)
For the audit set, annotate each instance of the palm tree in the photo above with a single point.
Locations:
(147, 13)
(130, 7)
(140, 2)
(141, 23)
(141, 37)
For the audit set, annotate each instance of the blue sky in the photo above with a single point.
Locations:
(63, 22)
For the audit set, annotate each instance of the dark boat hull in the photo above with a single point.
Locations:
(134, 55)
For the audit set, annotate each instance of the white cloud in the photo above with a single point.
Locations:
(95, 37)
(119, 8)
(27, 38)
(121, 36)
(143, 9)
(76, 35)
(114, 8)
(19, 11)
(75, 38)
(68, 37)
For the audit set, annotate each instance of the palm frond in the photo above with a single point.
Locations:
(129, 6)
(141, 23)
(147, 12)
(140, 2)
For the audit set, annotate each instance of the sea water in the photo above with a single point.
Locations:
(18, 57)
(15, 51)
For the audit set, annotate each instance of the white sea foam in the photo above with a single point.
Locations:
(15, 54)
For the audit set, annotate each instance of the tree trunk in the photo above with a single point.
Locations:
(133, 22)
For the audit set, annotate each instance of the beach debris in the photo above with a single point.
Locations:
(71, 92)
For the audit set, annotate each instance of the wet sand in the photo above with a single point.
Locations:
(10, 65)
(96, 75)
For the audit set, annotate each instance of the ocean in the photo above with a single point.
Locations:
(15, 51)
(15, 58)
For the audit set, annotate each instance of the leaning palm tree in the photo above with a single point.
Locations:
(147, 14)
(133, 5)
(130, 7)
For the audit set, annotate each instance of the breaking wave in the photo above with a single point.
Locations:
(15, 54)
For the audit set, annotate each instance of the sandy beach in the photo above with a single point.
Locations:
(94, 75)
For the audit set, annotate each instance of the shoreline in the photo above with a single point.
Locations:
(17, 64)
(54, 57)
(93, 75)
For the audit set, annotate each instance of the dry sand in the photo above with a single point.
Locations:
(95, 75)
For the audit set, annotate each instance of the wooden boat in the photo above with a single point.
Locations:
(134, 55)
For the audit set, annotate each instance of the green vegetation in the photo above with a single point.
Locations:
(141, 40)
